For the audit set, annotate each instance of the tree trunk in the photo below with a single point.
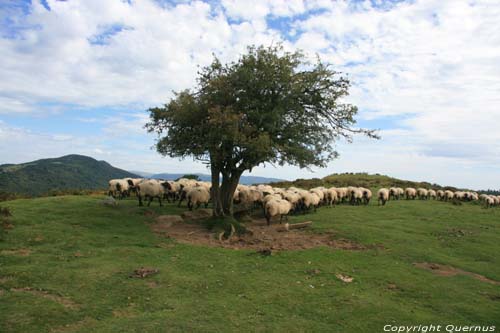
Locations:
(222, 195)
(216, 197)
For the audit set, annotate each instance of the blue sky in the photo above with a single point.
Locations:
(78, 75)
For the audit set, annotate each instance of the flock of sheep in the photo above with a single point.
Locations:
(279, 201)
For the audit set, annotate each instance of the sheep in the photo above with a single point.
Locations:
(276, 207)
(356, 195)
(294, 198)
(319, 192)
(422, 193)
(249, 196)
(431, 194)
(173, 189)
(383, 196)
(401, 192)
(393, 193)
(489, 202)
(440, 194)
(332, 196)
(459, 195)
(132, 184)
(308, 200)
(410, 193)
(367, 195)
(483, 197)
(118, 188)
(196, 196)
(448, 195)
(341, 194)
(150, 189)
(184, 189)
(265, 189)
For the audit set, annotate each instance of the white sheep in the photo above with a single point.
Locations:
(118, 188)
(383, 196)
(196, 196)
(332, 196)
(366, 195)
(150, 189)
(440, 194)
(448, 195)
(277, 207)
(410, 193)
(355, 195)
(489, 202)
(432, 194)
(422, 193)
(393, 193)
(341, 194)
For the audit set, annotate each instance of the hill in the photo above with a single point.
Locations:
(247, 180)
(359, 179)
(63, 173)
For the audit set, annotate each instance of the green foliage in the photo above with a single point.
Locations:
(48, 176)
(190, 176)
(84, 252)
(268, 106)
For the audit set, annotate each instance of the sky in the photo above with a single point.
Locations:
(78, 76)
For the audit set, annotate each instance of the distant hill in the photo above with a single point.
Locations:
(247, 180)
(361, 180)
(63, 173)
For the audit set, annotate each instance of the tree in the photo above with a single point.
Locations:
(190, 176)
(268, 106)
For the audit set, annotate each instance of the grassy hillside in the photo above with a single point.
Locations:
(52, 174)
(359, 179)
(66, 265)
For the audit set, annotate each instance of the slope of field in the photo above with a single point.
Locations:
(359, 179)
(63, 173)
(66, 264)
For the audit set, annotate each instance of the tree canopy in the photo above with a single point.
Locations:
(270, 106)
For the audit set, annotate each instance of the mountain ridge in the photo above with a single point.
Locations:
(67, 172)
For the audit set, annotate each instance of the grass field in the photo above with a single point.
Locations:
(65, 267)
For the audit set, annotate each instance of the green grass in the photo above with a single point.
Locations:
(213, 289)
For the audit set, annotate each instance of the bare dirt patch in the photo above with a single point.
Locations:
(444, 270)
(66, 302)
(144, 272)
(16, 252)
(5, 279)
(259, 236)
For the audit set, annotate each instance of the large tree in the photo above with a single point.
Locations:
(269, 106)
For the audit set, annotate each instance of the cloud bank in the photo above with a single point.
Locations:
(78, 75)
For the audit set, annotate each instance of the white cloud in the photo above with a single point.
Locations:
(432, 65)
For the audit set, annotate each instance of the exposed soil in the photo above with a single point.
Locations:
(67, 303)
(444, 270)
(16, 252)
(259, 237)
(144, 272)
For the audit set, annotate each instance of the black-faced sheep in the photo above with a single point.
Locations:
(196, 196)
(150, 189)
